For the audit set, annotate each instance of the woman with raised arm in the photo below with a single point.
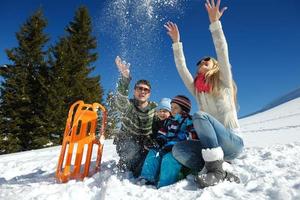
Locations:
(216, 123)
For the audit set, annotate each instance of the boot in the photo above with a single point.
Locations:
(215, 173)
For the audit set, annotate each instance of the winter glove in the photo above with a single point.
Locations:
(150, 144)
(167, 148)
(161, 140)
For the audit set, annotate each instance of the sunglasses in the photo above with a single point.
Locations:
(203, 59)
(142, 89)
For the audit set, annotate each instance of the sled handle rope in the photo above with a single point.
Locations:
(80, 139)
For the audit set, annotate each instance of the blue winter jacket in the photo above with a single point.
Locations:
(175, 129)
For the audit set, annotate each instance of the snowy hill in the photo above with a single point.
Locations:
(269, 168)
(279, 125)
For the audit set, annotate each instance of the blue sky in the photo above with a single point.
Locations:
(263, 38)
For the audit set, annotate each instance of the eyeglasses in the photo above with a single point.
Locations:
(142, 89)
(203, 59)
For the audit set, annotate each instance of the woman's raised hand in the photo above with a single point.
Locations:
(123, 67)
(213, 10)
(173, 31)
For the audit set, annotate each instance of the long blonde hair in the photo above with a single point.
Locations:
(213, 78)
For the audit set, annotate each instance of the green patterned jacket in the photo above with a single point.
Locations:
(135, 122)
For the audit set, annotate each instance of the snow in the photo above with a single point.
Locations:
(269, 168)
(279, 125)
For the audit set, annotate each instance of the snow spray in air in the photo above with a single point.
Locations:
(136, 26)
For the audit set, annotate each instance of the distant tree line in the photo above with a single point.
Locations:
(44, 80)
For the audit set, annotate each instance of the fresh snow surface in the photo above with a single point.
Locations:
(279, 125)
(269, 168)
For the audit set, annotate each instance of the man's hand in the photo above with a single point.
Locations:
(213, 10)
(173, 31)
(123, 67)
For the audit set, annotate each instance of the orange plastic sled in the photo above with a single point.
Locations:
(79, 141)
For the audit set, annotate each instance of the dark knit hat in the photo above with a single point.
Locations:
(183, 102)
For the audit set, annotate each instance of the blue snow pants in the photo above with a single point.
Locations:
(160, 169)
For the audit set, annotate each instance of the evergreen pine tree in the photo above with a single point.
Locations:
(112, 116)
(71, 62)
(24, 89)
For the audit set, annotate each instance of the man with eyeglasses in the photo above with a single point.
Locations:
(137, 121)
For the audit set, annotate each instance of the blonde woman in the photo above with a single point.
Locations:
(216, 123)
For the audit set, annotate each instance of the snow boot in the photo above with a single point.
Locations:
(214, 165)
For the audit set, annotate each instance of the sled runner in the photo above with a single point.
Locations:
(79, 141)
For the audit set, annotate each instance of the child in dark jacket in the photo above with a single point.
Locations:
(163, 112)
(160, 167)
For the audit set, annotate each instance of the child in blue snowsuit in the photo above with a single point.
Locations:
(160, 167)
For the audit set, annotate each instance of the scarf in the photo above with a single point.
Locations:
(200, 84)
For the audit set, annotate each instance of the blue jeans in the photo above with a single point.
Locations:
(165, 168)
(211, 134)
